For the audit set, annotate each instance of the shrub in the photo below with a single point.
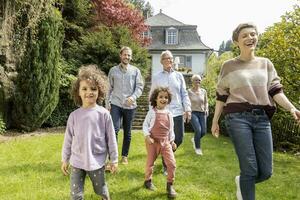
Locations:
(37, 83)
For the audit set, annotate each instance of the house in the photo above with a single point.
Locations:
(183, 40)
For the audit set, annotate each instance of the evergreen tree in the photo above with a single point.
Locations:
(37, 84)
(221, 48)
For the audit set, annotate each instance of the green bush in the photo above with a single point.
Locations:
(2, 126)
(37, 84)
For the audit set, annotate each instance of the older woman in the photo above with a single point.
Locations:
(180, 106)
(198, 97)
(247, 88)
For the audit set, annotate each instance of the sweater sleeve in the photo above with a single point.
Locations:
(274, 86)
(147, 123)
(222, 86)
(66, 150)
(111, 139)
(172, 134)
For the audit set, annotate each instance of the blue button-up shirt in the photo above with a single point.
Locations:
(175, 81)
(124, 83)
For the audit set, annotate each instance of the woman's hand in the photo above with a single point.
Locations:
(296, 114)
(215, 129)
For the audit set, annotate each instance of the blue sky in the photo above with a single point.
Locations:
(217, 18)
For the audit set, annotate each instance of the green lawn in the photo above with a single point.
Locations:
(30, 169)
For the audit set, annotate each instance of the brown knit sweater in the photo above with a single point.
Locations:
(245, 85)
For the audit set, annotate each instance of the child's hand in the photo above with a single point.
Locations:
(113, 167)
(174, 146)
(149, 139)
(64, 168)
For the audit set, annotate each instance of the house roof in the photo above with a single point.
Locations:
(163, 20)
(188, 38)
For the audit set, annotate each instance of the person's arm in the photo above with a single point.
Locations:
(206, 104)
(66, 150)
(111, 139)
(110, 89)
(215, 129)
(139, 85)
(284, 102)
(185, 101)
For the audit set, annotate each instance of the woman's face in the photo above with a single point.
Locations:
(167, 62)
(196, 82)
(247, 39)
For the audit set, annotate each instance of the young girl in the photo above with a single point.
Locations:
(89, 135)
(159, 138)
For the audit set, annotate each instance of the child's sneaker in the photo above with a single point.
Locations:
(149, 185)
(238, 189)
(171, 191)
(124, 160)
(199, 152)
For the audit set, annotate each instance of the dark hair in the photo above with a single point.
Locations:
(155, 93)
(237, 30)
(94, 75)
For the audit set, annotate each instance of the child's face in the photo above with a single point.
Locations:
(88, 93)
(162, 100)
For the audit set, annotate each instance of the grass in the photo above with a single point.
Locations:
(30, 169)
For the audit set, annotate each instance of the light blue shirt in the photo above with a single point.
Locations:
(124, 83)
(89, 137)
(175, 81)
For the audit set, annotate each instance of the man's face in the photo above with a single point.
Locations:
(125, 57)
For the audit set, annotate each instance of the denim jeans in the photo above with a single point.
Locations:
(252, 139)
(198, 122)
(119, 114)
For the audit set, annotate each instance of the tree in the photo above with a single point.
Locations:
(221, 48)
(117, 13)
(37, 84)
(280, 43)
(145, 8)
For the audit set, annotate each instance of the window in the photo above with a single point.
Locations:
(146, 34)
(171, 36)
(189, 61)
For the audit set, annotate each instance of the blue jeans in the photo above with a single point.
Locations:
(198, 122)
(252, 139)
(117, 114)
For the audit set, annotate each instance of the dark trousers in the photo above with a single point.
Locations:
(119, 114)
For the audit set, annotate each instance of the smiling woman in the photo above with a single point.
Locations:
(246, 91)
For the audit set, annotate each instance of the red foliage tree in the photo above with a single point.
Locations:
(117, 12)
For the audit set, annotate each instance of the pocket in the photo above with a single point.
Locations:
(99, 145)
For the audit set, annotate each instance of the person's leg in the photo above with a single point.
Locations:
(264, 148)
(239, 127)
(77, 183)
(178, 130)
(128, 115)
(116, 115)
(98, 180)
(152, 153)
(202, 120)
(168, 155)
(195, 121)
